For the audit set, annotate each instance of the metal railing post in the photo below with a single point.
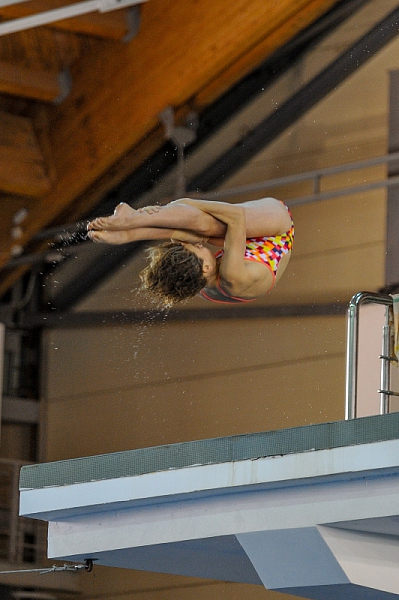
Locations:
(385, 367)
(352, 350)
(351, 357)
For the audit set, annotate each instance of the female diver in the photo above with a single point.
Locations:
(256, 236)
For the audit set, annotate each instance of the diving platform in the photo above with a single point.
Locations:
(310, 511)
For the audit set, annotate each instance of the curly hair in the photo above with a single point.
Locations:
(173, 274)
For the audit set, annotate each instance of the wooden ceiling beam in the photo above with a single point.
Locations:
(42, 85)
(181, 48)
(22, 167)
(115, 25)
(118, 92)
(213, 90)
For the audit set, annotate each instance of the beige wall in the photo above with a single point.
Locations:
(116, 388)
(121, 584)
(140, 386)
(150, 586)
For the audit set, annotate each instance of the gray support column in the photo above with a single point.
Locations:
(392, 240)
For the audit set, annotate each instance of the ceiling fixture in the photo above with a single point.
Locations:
(58, 14)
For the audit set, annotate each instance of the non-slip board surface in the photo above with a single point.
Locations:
(250, 446)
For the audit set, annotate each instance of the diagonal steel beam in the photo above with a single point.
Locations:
(300, 103)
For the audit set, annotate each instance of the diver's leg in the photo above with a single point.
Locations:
(266, 217)
(176, 216)
(127, 236)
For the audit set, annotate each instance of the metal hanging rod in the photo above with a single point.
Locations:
(58, 14)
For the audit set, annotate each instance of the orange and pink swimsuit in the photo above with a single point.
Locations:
(268, 250)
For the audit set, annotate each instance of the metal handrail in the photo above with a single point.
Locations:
(352, 351)
(313, 177)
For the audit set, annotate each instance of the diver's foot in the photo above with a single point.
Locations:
(111, 237)
(124, 217)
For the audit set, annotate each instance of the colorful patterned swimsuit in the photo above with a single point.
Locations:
(267, 250)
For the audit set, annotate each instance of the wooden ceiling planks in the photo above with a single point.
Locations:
(42, 85)
(186, 53)
(204, 97)
(18, 146)
(43, 49)
(34, 64)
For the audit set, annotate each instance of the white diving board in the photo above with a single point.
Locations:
(311, 511)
